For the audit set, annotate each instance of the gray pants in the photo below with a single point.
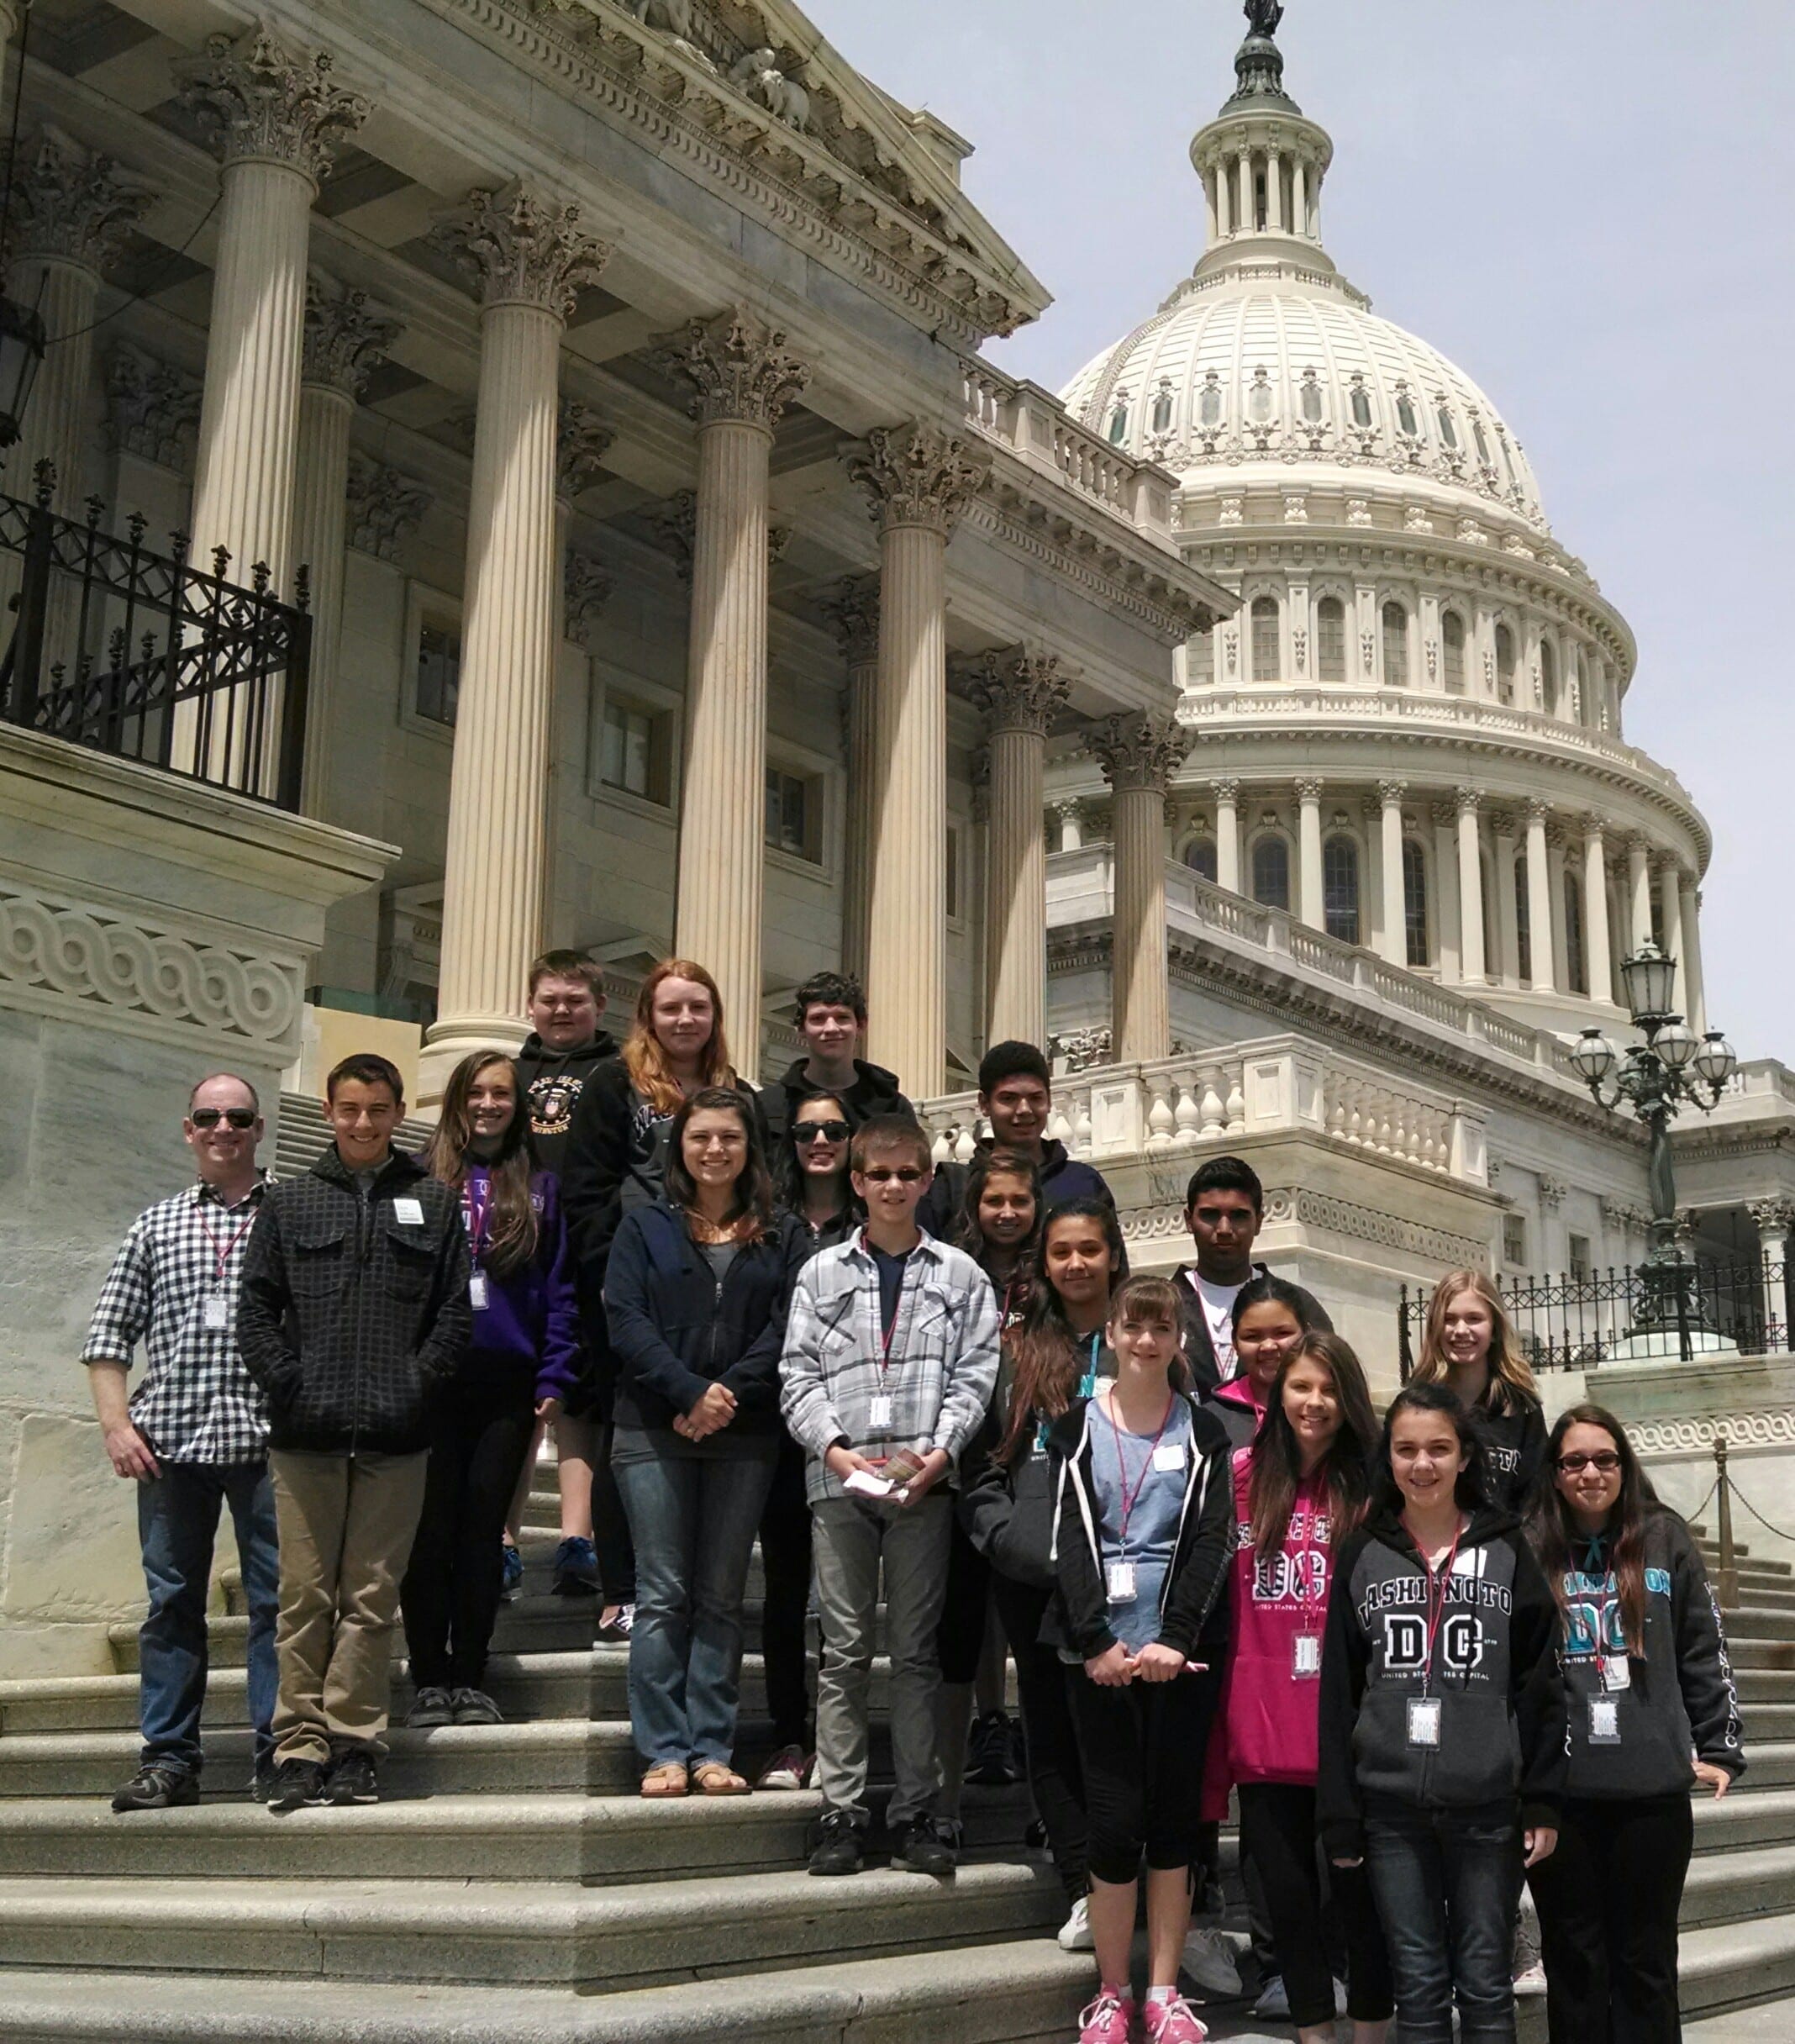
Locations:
(852, 1540)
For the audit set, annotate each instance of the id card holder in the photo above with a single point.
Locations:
(1168, 1456)
(1424, 1721)
(1617, 1672)
(408, 1213)
(1604, 1721)
(879, 1408)
(214, 1315)
(476, 1291)
(1305, 1656)
(1118, 1577)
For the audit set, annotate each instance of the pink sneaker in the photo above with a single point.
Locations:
(1109, 2020)
(1173, 2022)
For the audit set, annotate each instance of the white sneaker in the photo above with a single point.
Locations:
(1075, 1933)
(1273, 2004)
(1209, 1960)
(1530, 1981)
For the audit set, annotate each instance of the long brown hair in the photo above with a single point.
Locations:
(1043, 1349)
(645, 1060)
(1511, 1380)
(1556, 1536)
(753, 1182)
(1275, 1471)
(511, 1229)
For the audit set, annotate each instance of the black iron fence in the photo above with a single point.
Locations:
(145, 656)
(1678, 1311)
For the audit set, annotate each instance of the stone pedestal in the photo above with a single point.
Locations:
(1020, 694)
(1138, 756)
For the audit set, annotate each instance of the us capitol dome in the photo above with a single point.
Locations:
(1410, 735)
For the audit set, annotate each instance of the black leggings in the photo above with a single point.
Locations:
(785, 1560)
(1277, 1836)
(1607, 1899)
(1141, 1747)
(479, 1436)
(1056, 1773)
(959, 1639)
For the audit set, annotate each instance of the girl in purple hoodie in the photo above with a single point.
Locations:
(524, 1360)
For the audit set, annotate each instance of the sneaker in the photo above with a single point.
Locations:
(1075, 1933)
(1208, 1900)
(1530, 1981)
(1109, 2020)
(788, 1769)
(352, 1778)
(1209, 1960)
(576, 1569)
(1273, 2004)
(838, 1846)
(158, 1788)
(615, 1631)
(993, 1758)
(512, 1581)
(430, 1708)
(261, 1784)
(475, 1707)
(296, 1784)
(1172, 2022)
(923, 1847)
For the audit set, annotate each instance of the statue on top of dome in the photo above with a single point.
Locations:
(1263, 16)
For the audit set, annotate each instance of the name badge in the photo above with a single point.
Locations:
(1604, 1721)
(1424, 1720)
(879, 1412)
(214, 1315)
(476, 1291)
(1617, 1672)
(408, 1213)
(1305, 1656)
(1169, 1455)
(1119, 1575)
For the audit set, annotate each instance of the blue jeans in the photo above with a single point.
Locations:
(693, 1518)
(1447, 1888)
(177, 1521)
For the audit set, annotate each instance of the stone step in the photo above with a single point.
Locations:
(1747, 1817)
(1756, 1621)
(1751, 1649)
(1742, 1550)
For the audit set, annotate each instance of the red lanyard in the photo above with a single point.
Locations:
(224, 1255)
(1131, 1498)
(1437, 1612)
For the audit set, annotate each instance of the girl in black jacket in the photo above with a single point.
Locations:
(1468, 1344)
(1142, 1515)
(1646, 1666)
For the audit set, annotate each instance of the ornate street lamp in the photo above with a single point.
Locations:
(21, 350)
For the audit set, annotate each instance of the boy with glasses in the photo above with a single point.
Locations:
(889, 1359)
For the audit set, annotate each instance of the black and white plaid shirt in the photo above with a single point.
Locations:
(196, 1403)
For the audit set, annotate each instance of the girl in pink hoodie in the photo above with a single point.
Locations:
(1299, 1488)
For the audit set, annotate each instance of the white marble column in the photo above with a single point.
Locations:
(1070, 813)
(745, 381)
(1539, 901)
(1695, 989)
(920, 478)
(1227, 792)
(1310, 908)
(1508, 902)
(1639, 892)
(1564, 965)
(1445, 886)
(1395, 930)
(528, 259)
(1596, 944)
(344, 337)
(1669, 914)
(1473, 968)
(1020, 693)
(854, 610)
(1138, 756)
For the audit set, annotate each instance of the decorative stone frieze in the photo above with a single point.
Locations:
(519, 248)
(852, 607)
(384, 507)
(152, 407)
(345, 335)
(919, 474)
(674, 524)
(261, 101)
(1552, 1193)
(739, 366)
(1081, 1049)
(72, 202)
(586, 586)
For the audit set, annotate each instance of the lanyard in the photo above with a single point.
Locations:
(1131, 1498)
(1437, 1612)
(477, 1211)
(223, 1254)
(1598, 1573)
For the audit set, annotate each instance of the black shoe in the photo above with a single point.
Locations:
(352, 1778)
(261, 1783)
(992, 1760)
(475, 1707)
(576, 1568)
(296, 1784)
(838, 1846)
(923, 1847)
(157, 1787)
(433, 1706)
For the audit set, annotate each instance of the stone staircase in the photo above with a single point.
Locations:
(514, 1889)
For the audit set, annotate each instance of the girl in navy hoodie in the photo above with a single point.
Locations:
(1468, 1344)
(524, 1358)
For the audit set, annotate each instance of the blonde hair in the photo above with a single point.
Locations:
(645, 1060)
(1511, 1379)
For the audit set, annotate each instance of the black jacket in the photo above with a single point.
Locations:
(875, 1091)
(1679, 1696)
(551, 1082)
(674, 1330)
(1063, 1177)
(1515, 1443)
(1495, 1672)
(352, 1316)
(1193, 1612)
(1199, 1350)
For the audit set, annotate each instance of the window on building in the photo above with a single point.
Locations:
(1577, 1254)
(1408, 420)
(1452, 651)
(1340, 888)
(1259, 399)
(1210, 404)
(793, 812)
(1162, 408)
(1504, 664)
(1395, 646)
(1415, 903)
(1267, 664)
(1483, 445)
(1271, 872)
(1576, 973)
(1361, 401)
(1118, 424)
(1309, 400)
(1331, 639)
(1523, 926)
(439, 672)
(1199, 657)
(1448, 429)
(626, 749)
(1514, 1241)
(1548, 677)
(1199, 855)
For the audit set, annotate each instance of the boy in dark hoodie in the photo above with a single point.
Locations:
(565, 1044)
(1015, 1096)
(831, 1017)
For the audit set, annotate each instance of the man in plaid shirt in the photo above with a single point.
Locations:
(192, 1436)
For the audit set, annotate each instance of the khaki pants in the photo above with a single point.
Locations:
(346, 1524)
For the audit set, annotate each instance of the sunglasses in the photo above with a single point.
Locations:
(808, 1132)
(210, 1117)
(1604, 1459)
(880, 1174)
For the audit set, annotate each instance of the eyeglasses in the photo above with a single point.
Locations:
(210, 1117)
(880, 1174)
(1604, 1459)
(808, 1132)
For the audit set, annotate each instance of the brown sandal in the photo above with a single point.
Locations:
(669, 1779)
(714, 1778)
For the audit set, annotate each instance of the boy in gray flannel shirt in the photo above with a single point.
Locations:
(890, 1356)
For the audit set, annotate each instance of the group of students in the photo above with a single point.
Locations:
(1422, 1655)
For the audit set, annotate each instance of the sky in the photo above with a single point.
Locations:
(1589, 205)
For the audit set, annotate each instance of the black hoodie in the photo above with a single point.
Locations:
(1515, 1443)
(551, 1082)
(875, 1091)
(1495, 1673)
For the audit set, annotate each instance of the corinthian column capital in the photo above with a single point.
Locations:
(582, 439)
(918, 474)
(72, 202)
(345, 334)
(586, 586)
(1137, 751)
(740, 368)
(1019, 691)
(261, 100)
(517, 249)
(852, 607)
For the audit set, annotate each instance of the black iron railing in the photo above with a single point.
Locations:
(143, 656)
(1680, 1311)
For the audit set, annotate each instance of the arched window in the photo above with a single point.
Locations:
(1523, 926)
(1548, 678)
(1210, 404)
(1483, 445)
(1162, 409)
(1118, 423)
(1331, 639)
(1199, 855)
(1309, 399)
(1258, 399)
(1576, 975)
(1340, 888)
(1452, 650)
(1271, 872)
(1395, 646)
(1361, 403)
(1448, 429)
(1504, 664)
(1199, 657)
(1267, 665)
(1408, 421)
(1415, 903)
